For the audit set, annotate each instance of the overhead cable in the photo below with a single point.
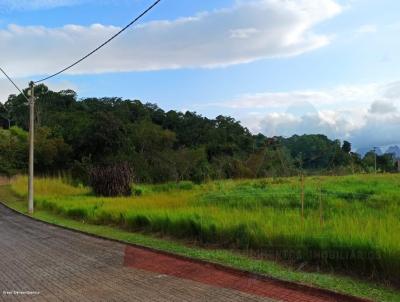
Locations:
(102, 45)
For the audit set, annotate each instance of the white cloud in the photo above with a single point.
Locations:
(243, 33)
(361, 128)
(378, 130)
(248, 31)
(335, 124)
(355, 95)
(6, 88)
(367, 115)
(382, 107)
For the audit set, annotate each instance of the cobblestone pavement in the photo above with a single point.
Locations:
(39, 262)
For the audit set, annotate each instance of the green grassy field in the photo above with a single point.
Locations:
(350, 224)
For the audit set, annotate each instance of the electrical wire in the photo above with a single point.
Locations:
(15, 85)
(102, 45)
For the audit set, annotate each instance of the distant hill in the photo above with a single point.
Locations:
(363, 151)
(392, 149)
(395, 150)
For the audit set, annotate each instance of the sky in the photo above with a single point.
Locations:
(281, 67)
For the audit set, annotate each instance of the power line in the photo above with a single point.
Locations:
(15, 85)
(102, 45)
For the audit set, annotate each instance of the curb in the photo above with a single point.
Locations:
(244, 273)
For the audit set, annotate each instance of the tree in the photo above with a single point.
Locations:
(17, 111)
(153, 159)
(313, 151)
(384, 162)
(346, 147)
(106, 139)
(368, 161)
(13, 151)
(52, 154)
(5, 120)
(158, 145)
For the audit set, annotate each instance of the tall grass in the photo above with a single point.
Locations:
(54, 187)
(359, 232)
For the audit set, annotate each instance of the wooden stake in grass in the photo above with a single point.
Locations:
(302, 196)
(321, 209)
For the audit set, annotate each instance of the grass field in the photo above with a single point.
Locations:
(350, 224)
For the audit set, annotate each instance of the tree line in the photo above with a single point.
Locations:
(76, 134)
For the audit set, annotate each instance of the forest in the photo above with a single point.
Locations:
(74, 135)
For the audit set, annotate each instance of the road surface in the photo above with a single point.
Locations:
(39, 262)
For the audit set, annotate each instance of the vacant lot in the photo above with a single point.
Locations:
(349, 224)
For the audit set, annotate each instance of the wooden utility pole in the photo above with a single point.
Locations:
(31, 146)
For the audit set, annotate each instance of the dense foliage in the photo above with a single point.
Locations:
(75, 135)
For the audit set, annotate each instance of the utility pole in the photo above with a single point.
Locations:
(375, 157)
(31, 144)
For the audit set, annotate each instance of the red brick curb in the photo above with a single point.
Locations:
(215, 274)
(223, 277)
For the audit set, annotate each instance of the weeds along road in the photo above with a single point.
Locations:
(39, 262)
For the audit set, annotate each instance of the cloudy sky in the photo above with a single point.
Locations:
(279, 66)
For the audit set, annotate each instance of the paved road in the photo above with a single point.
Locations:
(66, 266)
(39, 262)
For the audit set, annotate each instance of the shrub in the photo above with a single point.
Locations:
(77, 213)
(137, 191)
(112, 180)
(79, 172)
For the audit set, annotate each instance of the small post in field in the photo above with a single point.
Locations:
(302, 196)
(321, 209)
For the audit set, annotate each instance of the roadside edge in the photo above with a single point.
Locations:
(244, 273)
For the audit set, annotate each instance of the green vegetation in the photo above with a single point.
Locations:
(188, 173)
(226, 257)
(354, 229)
(73, 136)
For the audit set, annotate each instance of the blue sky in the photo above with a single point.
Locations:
(280, 67)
